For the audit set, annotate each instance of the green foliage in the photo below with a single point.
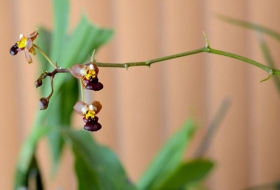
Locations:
(96, 166)
(187, 174)
(168, 159)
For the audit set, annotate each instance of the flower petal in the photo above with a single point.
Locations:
(32, 50)
(80, 108)
(27, 56)
(33, 35)
(29, 43)
(97, 105)
(75, 70)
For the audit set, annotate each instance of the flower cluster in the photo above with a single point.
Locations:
(87, 73)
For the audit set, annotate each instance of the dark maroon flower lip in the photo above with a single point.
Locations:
(14, 49)
(96, 86)
(92, 126)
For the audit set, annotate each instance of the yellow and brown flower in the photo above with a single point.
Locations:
(89, 114)
(88, 74)
(25, 44)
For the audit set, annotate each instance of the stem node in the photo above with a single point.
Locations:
(271, 73)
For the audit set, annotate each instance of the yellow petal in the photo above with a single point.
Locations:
(32, 50)
(90, 114)
(22, 42)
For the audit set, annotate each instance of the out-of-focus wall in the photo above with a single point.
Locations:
(143, 106)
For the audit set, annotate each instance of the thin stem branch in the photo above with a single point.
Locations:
(82, 90)
(52, 89)
(43, 53)
(201, 50)
(149, 62)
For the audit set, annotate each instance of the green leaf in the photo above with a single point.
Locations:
(169, 158)
(96, 166)
(61, 12)
(27, 153)
(85, 38)
(186, 174)
(250, 25)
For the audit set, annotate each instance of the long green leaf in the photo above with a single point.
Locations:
(250, 25)
(96, 166)
(168, 159)
(186, 174)
(61, 12)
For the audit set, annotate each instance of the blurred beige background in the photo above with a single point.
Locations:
(143, 106)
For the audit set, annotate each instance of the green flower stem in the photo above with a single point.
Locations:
(149, 62)
(247, 60)
(206, 49)
(43, 53)
(82, 90)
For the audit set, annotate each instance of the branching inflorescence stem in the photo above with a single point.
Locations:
(206, 49)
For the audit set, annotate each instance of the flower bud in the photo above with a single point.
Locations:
(43, 103)
(38, 83)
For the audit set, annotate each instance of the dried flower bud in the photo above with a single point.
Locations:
(38, 83)
(43, 103)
